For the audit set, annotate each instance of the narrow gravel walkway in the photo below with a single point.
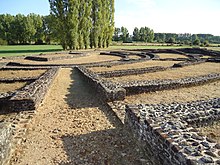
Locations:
(73, 127)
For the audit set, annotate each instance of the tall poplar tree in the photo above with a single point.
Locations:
(84, 23)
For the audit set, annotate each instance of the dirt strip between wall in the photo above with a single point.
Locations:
(73, 127)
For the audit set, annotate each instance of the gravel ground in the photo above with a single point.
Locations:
(7, 87)
(73, 127)
(20, 73)
(202, 92)
(134, 66)
(177, 73)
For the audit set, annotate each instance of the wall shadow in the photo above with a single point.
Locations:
(81, 95)
(114, 146)
(106, 147)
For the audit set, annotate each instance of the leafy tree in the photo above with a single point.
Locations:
(124, 34)
(150, 35)
(36, 21)
(206, 43)
(159, 37)
(116, 36)
(136, 34)
(6, 28)
(171, 40)
(59, 9)
(143, 34)
(196, 40)
(50, 29)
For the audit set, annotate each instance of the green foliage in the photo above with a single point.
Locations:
(84, 23)
(21, 29)
(124, 34)
(171, 40)
(3, 42)
(196, 40)
(136, 34)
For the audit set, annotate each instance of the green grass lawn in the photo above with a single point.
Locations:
(19, 50)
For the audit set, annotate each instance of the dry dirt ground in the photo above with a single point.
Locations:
(92, 57)
(177, 73)
(73, 127)
(134, 66)
(202, 92)
(7, 87)
(20, 73)
(212, 131)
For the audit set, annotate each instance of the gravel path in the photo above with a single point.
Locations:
(73, 127)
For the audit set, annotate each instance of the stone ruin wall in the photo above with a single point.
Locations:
(112, 91)
(167, 131)
(136, 87)
(106, 93)
(119, 73)
(44, 57)
(30, 96)
(5, 142)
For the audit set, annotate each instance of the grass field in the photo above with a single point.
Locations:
(19, 50)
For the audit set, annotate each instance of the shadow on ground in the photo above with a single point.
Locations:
(107, 147)
(81, 95)
(110, 146)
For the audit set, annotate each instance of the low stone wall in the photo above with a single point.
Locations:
(217, 60)
(115, 53)
(17, 79)
(119, 73)
(164, 130)
(30, 96)
(173, 59)
(125, 55)
(106, 93)
(44, 57)
(92, 64)
(136, 87)
(5, 142)
(182, 51)
(200, 51)
(188, 63)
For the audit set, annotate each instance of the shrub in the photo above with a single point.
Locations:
(3, 42)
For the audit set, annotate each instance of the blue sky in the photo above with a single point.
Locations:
(178, 16)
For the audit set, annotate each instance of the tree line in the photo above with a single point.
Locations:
(21, 29)
(75, 24)
(83, 23)
(145, 34)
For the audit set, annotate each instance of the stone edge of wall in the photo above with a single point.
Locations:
(108, 94)
(119, 73)
(163, 144)
(30, 96)
(5, 142)
(137, 87)
(62, 57)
